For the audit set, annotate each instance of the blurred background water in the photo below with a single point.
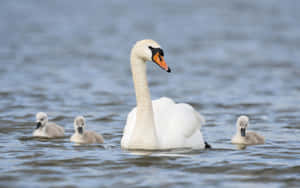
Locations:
(71, 58)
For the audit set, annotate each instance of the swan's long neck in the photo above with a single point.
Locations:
(143, 98)
(144, 133)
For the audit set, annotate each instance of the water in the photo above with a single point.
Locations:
(71, 58)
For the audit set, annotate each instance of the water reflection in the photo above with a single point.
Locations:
(241, 146)
(169, 152)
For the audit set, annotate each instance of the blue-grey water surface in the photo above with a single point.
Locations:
(71, 58)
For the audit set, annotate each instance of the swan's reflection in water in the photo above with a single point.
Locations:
(182, 152)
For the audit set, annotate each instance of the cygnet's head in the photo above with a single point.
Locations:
(242, 124)
(79, 124)
(41, 119)
(149, 50)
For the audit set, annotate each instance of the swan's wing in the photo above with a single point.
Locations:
(177, 125)
(174, 116)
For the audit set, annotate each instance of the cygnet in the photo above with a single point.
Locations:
(246, 137)
(47, 129)
(82, 136)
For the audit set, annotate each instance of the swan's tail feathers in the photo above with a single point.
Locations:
(207, 146)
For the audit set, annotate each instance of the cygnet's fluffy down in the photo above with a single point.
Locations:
(47, 129)
(246, 137)
(82, 136)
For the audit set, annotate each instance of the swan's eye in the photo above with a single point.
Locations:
(42, 119)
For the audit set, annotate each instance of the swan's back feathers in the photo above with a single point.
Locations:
(177, 125)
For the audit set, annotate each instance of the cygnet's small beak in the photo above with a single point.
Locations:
(38, 125)
(243, 132)
(80, 130)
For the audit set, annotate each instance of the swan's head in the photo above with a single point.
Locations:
(79, 124)
(242, 124)
(41, 119)
(149, 50)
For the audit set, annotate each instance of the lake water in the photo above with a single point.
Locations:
(228, 58)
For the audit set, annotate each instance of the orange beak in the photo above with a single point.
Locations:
(159, 60)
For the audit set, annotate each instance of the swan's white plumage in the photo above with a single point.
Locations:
(177, 125)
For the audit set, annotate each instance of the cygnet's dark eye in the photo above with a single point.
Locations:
(42, 119)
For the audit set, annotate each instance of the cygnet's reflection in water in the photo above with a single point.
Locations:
(241, 146)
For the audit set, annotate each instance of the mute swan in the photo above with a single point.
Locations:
(82, 136)
(47, 129)
(161, 123)
(246, 137)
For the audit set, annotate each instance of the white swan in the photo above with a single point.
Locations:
(82, 136)
(161, 123)
(246, 137)
(47, 129)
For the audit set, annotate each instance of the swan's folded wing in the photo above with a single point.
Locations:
(177, 125)
(187, 119)
(179, 116)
